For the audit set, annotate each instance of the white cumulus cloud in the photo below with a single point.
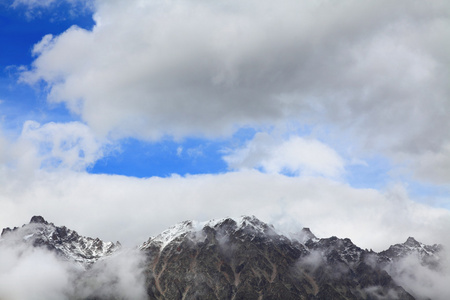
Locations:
(295, 155)
(51, 146)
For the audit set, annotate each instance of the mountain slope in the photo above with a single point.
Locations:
(241, 258)
(247, 259)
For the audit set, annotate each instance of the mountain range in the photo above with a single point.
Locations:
(242, 258)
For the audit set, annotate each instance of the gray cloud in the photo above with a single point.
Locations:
(374, 70)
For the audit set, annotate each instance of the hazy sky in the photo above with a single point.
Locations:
(121, 118)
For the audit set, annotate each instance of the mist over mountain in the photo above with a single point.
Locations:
(240, 258)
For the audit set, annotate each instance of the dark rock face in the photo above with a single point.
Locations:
(38, 219)
(226, 262)
(248, 260)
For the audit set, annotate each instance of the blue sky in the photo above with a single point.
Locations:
(160, 100)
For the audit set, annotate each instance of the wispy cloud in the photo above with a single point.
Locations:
(421, 280)
(47, 3)
(27, 272)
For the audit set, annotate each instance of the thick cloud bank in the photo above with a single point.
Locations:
(130, 209)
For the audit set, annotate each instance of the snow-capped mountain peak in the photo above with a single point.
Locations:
(428, 254)
(66, 243)
(246, 224)
(194, 230)
(174, 232)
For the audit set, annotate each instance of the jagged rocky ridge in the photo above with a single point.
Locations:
(65, 243)
(241, 259)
